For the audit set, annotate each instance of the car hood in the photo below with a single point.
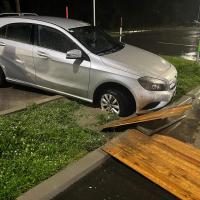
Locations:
(137, 61)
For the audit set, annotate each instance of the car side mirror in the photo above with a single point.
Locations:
(74, 54)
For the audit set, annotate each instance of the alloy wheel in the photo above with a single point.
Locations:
(110, 104)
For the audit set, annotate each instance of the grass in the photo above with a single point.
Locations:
(188, 74)
(36, 143)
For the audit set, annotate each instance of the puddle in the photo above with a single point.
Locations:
(114, 181)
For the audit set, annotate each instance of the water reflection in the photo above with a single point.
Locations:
(170, 41)
(190, 56)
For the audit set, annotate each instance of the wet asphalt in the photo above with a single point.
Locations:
(115, 181)
(181, 41)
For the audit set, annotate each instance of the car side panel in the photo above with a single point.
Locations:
(17, 60)
(56, 72)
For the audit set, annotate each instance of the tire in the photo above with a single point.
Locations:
(124, 102)
(2, 78)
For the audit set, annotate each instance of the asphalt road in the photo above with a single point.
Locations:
(115, 181)
(179, 41)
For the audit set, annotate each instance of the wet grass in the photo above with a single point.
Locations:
(36, 143)
(188, 74)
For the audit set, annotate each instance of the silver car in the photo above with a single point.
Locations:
(73, 58)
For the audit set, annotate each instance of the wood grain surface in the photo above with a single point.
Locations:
(173, 165)
(161, 114)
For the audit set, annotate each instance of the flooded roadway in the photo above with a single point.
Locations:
(170, 41)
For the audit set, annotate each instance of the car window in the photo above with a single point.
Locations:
(53, 39)
(3, 32)
(20, 32)
(96, 40)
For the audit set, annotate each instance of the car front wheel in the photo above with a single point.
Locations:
(116, 102)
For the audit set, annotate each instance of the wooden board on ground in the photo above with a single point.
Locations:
(161, 114)
(173, 165)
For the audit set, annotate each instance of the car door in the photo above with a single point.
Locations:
(53, 69)
(16, 52)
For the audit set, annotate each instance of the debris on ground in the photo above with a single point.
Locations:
(151, 116)
(173, 165)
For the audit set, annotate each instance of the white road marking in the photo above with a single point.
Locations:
(176, 44)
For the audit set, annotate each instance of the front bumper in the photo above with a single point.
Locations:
(157, 98)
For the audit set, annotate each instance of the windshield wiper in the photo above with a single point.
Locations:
(110, 50)
(105, 51)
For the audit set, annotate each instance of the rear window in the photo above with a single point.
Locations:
(3, 32)
(20, 32)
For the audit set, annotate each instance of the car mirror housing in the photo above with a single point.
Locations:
(74, 54)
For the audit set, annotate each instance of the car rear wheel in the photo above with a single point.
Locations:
(2, 78)
(116, 102)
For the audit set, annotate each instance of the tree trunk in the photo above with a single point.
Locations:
(18, 10)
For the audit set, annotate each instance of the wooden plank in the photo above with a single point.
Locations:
(161, 114)
(171, 164)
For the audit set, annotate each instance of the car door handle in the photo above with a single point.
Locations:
(42, 54)
(2, 44)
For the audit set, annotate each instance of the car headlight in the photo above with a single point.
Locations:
(153, 84)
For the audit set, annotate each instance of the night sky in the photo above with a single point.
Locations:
(136, 13)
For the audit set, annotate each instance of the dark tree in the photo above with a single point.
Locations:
(135, 13)
(5, 6)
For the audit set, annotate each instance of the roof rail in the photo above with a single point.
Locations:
(17, 14)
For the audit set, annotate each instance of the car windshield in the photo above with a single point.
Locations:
(95, 40)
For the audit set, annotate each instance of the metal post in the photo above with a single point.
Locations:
(18, 9)
(94, 12)
(120, 29)
(67, 12)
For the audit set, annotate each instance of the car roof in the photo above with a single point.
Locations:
(62, 22)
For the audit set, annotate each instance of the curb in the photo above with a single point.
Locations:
(24, 106)
(58, 183)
